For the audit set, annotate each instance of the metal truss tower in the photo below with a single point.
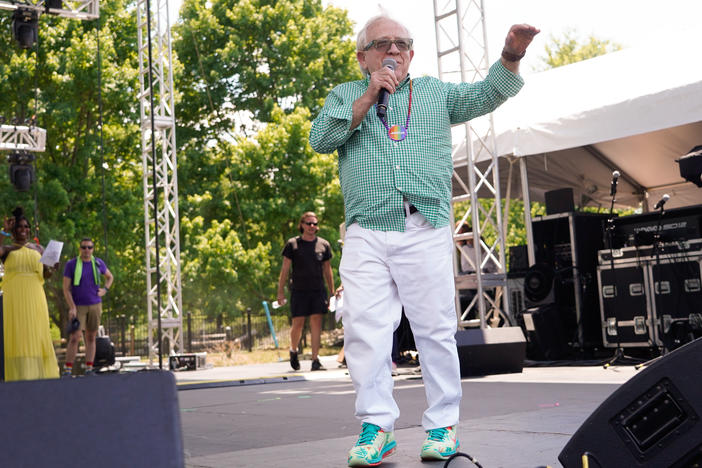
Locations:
(158, 145)
(161, 219)
(461, 44)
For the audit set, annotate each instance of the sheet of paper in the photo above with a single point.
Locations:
(52, 253)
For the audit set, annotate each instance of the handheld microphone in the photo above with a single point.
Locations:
(615, 178)
(662, 201)
(383, 97)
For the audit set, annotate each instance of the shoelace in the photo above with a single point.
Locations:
(438, 434)
(368, 434)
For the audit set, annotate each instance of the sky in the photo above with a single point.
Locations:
(630, 23)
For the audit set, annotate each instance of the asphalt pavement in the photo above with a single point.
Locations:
(268, 415)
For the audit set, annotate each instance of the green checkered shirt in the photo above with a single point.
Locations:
(376, 173)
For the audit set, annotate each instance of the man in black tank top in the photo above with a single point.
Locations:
(309, 257)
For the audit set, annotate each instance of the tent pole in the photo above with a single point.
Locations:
(527, 209)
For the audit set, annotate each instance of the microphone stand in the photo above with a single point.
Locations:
(657, 265)
(619, 356)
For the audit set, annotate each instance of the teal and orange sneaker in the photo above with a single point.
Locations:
(440, 444)
(372, 446)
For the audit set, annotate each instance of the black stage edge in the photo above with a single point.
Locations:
(491, 350)
(109, 421)
(653, 420)
(2, 340)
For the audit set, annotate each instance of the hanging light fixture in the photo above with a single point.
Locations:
(691, 166)
(21, 170)
(24, 27)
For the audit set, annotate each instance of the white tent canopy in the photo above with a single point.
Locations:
(636, 110)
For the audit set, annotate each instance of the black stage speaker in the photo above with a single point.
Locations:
(518, 260)
(104, 352)
(651, 421)
(568, 244)
(490, 351)
(105, 421)
(2, 342)
(559, 201)
(546, 338)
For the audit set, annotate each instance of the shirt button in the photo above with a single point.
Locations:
(397, 167)
(399, 188)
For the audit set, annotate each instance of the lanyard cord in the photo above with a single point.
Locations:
(409, 112)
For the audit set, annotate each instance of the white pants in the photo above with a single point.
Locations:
(381, 272)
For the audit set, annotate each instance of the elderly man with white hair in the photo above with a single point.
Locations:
(395, 171)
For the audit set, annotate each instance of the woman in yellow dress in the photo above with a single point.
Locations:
(29, 351)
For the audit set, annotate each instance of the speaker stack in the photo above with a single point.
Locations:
(561, 312)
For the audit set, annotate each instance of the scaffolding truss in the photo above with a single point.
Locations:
(461, 44)
(22, 138)
(78, 9)
(158, 143)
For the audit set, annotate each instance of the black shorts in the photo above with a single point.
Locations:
(306, 303)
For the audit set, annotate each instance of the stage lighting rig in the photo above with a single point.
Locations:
(691, 166)
(78, 9)
(25, 23)
(22, 138)
(21, 169)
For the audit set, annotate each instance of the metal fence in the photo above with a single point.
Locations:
(201, 333)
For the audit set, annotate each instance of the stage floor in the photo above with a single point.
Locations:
(270, 416)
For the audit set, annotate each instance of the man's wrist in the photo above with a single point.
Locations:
(511, 56)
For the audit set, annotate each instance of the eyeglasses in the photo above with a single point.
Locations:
(87, 247)
(383, 45)
(312, 224)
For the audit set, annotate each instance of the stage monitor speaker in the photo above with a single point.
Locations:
(559, 201)
(491, 350)
(653, 420)
(106, 421)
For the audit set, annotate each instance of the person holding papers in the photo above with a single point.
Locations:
(29, 351)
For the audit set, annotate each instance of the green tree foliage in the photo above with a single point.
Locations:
(222, 276)
(568, 49)
(60, 88)
(267, 64)
(265, 184)
(255, 73)
(254, 56)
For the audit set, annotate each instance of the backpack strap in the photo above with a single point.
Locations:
(293, 242)
(319, 246)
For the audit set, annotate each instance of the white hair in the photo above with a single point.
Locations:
(361, 40)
